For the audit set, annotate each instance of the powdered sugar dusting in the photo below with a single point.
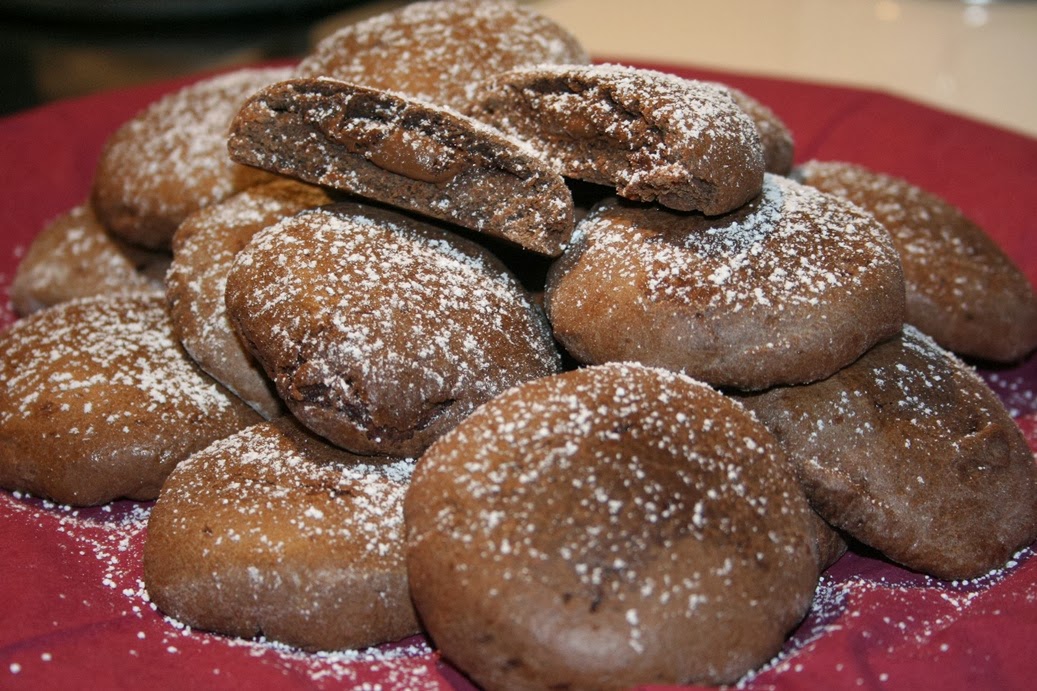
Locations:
(560, 422)
(119, 341)
(876, 624)
(438, 51)
(925, 228)
(906, 447)
(613, 487)
(727, 298)
(792, 247)
(72, 257)
(961, 287)
(779, 254)
(384, 318)
(109, 541)
(912, 384)
(1015, 387)
(172, 158)
(205, 246)
(260, 476)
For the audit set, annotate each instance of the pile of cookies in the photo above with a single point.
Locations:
(448, 330)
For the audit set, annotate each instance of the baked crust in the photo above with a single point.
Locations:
(909, 451)
(787, 289)
(381, 332)
(274, 532)
(962, 289)
(606, 528)
(98, 401)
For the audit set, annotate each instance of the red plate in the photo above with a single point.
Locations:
(73, 609)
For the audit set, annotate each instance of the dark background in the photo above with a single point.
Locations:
(52, 49)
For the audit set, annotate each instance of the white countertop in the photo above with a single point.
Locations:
(973, 58)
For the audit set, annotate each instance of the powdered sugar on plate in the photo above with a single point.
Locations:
(871, 623)
(101, 597)
(868, 621)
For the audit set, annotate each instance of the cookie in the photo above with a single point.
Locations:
(787, 289)
(962, 289)
(831, 545)
(74, 256)
(382, 332)
(171, 159)
(779, 145)
(606, 528)
(273, 532)
(204, 247)
(412, 155)
(437, 51)
(655, 137)
(98, 401)
(908, 451)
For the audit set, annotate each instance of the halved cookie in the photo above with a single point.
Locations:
(412, 155)
(655, 137)
(787, 289)
(98, 401)
(962, 289)
(273, 532)
(910, 452)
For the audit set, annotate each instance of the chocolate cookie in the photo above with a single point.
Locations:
(788, 289)
(75, 256)
(273, 532)
(606, 528)
(775, 136)
(830, 543)
(656, 137)
(171, 159)
(98, 401)
(406, 153)
(909, 451)
(437, 51)
(382, 332)
(962, 289)
(204, 247)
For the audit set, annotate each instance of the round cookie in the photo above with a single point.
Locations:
(908, 451)
(406, 153)
(787, 289)
(606, 528)
(171, 159)
(437, 51)
(962, 289)
(273, 532)
(775, 136)
(655, 137)
(204, 247)
(98, 401)
(74, 256)
(382, 332)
